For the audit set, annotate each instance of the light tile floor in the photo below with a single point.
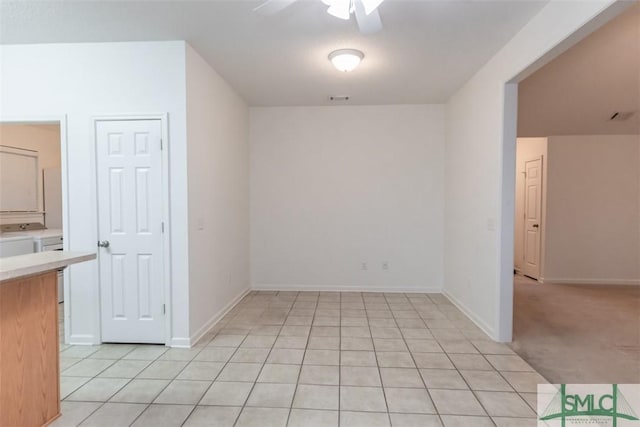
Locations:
(308, 359)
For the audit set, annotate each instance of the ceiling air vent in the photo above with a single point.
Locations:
(620, 116)
(336, 98)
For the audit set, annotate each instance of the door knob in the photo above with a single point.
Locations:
(103, 243)
(534, 226)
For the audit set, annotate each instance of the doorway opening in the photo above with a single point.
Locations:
(577, 199)
(531, 156)
(33, 203)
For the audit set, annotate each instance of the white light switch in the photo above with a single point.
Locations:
(491, 224)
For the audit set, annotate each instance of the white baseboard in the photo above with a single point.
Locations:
(340, 288)
(471, 315)
(195, 337)
(571, 281)
(178, 342)
(79, 339)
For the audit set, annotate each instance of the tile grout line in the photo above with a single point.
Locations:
(465, 381)
(161, 391)
(256, 378)
(76, 389)
(384, 393)
(221, 369)
(339, 358)
(304, 355)
(117, 391)
(265, 361)
(418, 369)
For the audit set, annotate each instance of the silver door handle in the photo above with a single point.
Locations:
(534, 226)
(103, 243)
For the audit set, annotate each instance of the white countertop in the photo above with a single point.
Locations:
(34, 234)
(39, 262)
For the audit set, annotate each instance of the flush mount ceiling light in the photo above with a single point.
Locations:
(346, 59)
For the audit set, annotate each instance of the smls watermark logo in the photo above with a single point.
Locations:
(615, 405)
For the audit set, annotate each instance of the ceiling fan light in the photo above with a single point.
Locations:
(371, 5)
(346, 59)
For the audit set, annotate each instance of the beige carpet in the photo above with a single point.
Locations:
(578, 333)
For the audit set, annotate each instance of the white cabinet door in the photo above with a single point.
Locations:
(129, 163)
(18, 180)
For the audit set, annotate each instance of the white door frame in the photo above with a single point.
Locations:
(60, 120)
(506, 213)
(166, 217)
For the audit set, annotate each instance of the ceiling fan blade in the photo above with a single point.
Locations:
(371, 5)
(368, 24)
(271, 7)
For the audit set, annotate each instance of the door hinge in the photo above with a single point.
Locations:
(161, 145)
(162, 226)
(164, 309)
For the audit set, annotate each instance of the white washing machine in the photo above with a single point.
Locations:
(12, 244)
(49, 240)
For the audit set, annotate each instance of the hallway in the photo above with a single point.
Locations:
(578, 333)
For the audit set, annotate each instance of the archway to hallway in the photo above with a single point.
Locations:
(580, 319)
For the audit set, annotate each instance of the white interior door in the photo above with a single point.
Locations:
(532, 217)
(129, 162)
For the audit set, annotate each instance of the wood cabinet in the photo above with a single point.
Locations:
(29, 365)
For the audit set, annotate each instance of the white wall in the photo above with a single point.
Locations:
(480, 166)
(333, 187)
(86, 80)
(218, 168)
(43, 138)
(527, 149)
(593, 210)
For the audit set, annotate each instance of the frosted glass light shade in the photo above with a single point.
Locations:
(346, 59)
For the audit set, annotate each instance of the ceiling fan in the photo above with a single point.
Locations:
(365, 11)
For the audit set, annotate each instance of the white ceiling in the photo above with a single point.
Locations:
(577, 93)
(426, 50)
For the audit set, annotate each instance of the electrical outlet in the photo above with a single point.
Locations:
(385, 265)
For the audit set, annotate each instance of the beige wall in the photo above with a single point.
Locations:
(593, 198)
(528, 149)
(45, 139)
(576, 93)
